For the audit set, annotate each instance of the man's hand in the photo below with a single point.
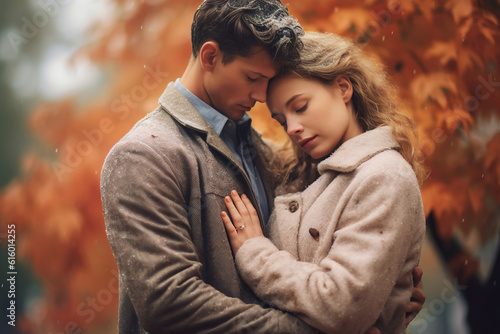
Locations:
(417, 299)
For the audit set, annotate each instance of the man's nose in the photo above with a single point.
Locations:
(259, 93)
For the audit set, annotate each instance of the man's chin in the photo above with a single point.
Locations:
(236, 115)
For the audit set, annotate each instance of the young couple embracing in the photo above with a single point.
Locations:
(216, 230)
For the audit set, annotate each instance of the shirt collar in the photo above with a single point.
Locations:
(216, 120)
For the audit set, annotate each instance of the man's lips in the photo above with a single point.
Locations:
(305, 141)
(246, 107)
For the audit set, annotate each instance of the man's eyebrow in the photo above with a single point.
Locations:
(260, 74)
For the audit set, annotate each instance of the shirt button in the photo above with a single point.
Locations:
(293, 206)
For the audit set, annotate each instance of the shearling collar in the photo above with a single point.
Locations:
(359, 149)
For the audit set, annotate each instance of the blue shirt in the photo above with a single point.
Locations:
(237, 136)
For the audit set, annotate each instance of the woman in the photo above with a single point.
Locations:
(343, 249)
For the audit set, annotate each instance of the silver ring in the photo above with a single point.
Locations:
(242, 226)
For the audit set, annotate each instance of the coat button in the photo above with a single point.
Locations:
(293, 206)
(314, 233)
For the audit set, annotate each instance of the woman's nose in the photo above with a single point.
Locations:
(293, 128)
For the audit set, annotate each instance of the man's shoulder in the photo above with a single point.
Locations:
(156, 133)
(155, 123)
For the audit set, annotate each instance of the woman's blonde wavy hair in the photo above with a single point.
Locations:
(326, 56)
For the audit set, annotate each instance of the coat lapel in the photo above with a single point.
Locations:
(178, 106)
(262, 160)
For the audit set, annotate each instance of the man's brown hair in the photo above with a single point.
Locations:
(241, 26)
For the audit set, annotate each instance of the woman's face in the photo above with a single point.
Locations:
(318, 117)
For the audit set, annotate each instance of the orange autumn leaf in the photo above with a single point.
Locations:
(493, 151)
(444, 51)
(468, 59)
(448, 202)
(492, 157)
(460, 9)
(433, 87)
(450, 119)
(345, 19)
(488, 31)
(476, 197)
(490, 17)
(426, 7)
(464, 28)
(401, 6)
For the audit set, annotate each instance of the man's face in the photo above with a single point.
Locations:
(233, 88)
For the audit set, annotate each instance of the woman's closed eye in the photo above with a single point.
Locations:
(303, 108)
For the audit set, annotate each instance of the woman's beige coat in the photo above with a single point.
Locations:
(349, 241)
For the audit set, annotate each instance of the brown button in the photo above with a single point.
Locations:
(314, 233)
(293, 206)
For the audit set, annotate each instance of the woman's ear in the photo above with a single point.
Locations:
(209, 54)
(345, 86)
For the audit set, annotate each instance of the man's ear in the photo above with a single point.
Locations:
(345, 86)
(209, 55)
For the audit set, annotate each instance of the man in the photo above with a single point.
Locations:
(163, 184)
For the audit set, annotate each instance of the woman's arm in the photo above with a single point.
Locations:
(345, 291)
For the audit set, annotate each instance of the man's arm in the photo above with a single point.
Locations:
(148, 229)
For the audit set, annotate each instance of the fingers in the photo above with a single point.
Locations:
(234, 239)
(228, 224)
(414, 307)
(254, 216)
(242, 209)
(417, 295)
(417, 275)
(233, 210)
(243, 222)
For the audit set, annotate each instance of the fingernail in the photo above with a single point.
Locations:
(234, 193)
(243, 196)
(227, 199)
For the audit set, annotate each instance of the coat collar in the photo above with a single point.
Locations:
(178, 106)
(359, 149)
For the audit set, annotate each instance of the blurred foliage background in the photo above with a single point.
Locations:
(76, 75)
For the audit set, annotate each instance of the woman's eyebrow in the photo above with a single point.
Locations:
(291, 99)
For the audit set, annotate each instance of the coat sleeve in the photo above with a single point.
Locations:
(147, 224)
(346, 291)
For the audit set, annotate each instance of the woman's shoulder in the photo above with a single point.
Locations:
(390, 170)
(389, 162)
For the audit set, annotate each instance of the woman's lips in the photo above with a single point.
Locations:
(306, 141)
